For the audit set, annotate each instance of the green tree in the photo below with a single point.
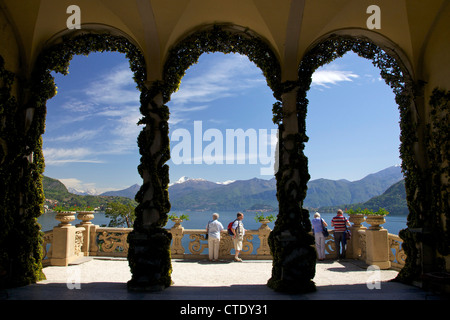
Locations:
(120, 214)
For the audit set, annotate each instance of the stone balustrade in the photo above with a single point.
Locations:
(66, 243)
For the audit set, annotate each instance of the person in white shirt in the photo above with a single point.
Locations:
(238, 235)
(213, 230)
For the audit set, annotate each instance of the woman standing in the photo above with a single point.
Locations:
(318, 235)
(213, 229)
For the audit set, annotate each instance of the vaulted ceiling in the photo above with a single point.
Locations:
(289, 26)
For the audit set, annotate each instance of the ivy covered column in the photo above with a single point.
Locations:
(21, 196)
(291, 244)
(149, 250)
(438, 142)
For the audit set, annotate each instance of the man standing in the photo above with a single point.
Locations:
(339, 222)
(214, 228)
(238, 235)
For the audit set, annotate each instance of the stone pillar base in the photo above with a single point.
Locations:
(377, 248)
(64, 246)
(149, 259)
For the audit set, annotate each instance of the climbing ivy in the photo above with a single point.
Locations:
(22, 161)
(215, 38)
(291, 244)
(218, 39)
(397, 77)
(21, 165)
(438, 146)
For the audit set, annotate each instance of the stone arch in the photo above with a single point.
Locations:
(150, 241)
(93, 29)
(25, 162)
(397, 72)
(224, 38)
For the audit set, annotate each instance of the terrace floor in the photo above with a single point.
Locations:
(106, 278)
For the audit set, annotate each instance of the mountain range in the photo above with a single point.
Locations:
(57, 194)
(258, 194)
(200, 194)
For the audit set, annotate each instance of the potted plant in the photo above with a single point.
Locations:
(178, 219)
(356, 216)
(264, 220)
(376, 219)
(64, 215)
(85, 214)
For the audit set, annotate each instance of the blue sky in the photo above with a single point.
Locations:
(91, 127)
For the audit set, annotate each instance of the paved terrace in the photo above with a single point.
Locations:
(106, 278)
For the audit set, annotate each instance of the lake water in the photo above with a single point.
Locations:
(198, 220)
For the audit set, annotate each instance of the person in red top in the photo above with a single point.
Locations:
(340, 223)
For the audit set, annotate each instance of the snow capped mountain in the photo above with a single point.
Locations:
(87, 192)
(226, 182)
(184, 179)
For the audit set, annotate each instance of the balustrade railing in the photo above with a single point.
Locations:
(397, 255)
(88, 239)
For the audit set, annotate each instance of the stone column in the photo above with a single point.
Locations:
(149, 250)
(292, 246)
(377, 243)
(354, 245)
(86, 217)
(177, 235)
(65, 242)
(263, 234)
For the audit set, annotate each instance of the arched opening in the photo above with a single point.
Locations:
(149, 238)
(397, 76)
(28, 162)
(223, 145)
(90, 139)
(353, 131)
(221, 92)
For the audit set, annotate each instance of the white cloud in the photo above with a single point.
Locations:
(109, 108)
(223, 77)
(74, 184)
(75, 105)
(116, 87)
(324, 77)
(60, 156)
(122, 129)
(213, 79)
(82, 135)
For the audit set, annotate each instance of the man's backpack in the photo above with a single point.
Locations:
(230, 227)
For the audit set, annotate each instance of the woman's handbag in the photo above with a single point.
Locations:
(348, 234)
(324, 229)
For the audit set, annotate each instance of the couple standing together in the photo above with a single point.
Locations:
(214, 228)
(340, 223)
